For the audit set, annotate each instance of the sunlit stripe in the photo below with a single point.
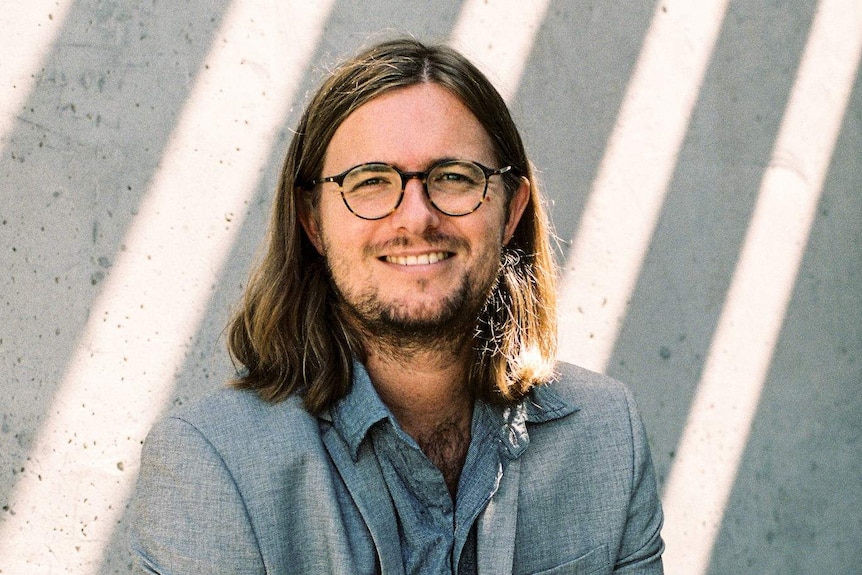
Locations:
(27, 33)
(719, 423)
(79, 475)
(629, 190)
(498, 36)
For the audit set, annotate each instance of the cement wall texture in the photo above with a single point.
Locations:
(701, 162)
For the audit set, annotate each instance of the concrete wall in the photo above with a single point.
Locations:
(701, 162)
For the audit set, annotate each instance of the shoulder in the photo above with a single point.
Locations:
(239, 426)
(587, 477)
(579, 380)
(229, 406)
(587, 392)
(595, 407)
(228, 410)
(227, 461)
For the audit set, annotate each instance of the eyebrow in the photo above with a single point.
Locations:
(427, 165)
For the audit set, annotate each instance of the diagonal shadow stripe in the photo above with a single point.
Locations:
(74, 165)
(736, 366)
(686, 272)
(121, 372)
(628, 193)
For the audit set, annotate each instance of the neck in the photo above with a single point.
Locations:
(429, 397)
(420, 374)
(422, 388)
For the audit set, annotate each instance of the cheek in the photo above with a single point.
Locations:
(343, 235)
(494, 224)
(332, 223)
(487, 245)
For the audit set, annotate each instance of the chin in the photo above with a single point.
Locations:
(424, 315)
(417, 315)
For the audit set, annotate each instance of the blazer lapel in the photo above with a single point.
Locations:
(495, 532)
(365, 483)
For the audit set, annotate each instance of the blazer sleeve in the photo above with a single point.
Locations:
(642, 545)
(188, 516)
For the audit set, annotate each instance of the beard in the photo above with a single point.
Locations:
(444, 325)
(395, 327)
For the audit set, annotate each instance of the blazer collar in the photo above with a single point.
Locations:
(364, 481)
(361, 408)
(542, 404)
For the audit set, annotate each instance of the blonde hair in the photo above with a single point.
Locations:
(287, 335)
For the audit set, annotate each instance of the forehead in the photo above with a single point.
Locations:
(410, 128)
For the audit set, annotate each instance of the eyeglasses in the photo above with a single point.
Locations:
(375, 190)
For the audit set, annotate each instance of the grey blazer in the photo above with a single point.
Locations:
(235, 485)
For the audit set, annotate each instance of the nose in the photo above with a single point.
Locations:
(415, 214)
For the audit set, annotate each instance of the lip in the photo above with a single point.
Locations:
(422, 259)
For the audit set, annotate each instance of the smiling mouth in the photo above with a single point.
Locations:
(420, 260)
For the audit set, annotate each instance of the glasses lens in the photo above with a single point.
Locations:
(371, 191)
(456, 188)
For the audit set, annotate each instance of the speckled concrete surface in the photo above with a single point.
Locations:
(99, 117)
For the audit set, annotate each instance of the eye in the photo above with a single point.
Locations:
(371, 178)
(457, 174)
(370, 181)
(453, 177)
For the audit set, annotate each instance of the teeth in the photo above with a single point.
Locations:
(419, 260)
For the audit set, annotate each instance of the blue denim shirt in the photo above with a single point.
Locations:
(436, 533)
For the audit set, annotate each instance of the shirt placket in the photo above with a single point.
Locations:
(426, 514)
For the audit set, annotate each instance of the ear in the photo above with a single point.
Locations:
(309, 221)
(517, 205)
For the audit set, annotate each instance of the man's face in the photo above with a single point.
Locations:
(417, 270)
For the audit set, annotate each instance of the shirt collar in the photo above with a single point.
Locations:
(541, 405)
(354, 414)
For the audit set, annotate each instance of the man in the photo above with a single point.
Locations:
(399, 409)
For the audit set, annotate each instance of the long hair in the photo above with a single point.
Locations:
(287, 335)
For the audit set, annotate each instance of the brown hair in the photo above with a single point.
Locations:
(286, 334)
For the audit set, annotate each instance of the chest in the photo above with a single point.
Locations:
(435, 513)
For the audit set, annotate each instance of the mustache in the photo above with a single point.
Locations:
(430, 239)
